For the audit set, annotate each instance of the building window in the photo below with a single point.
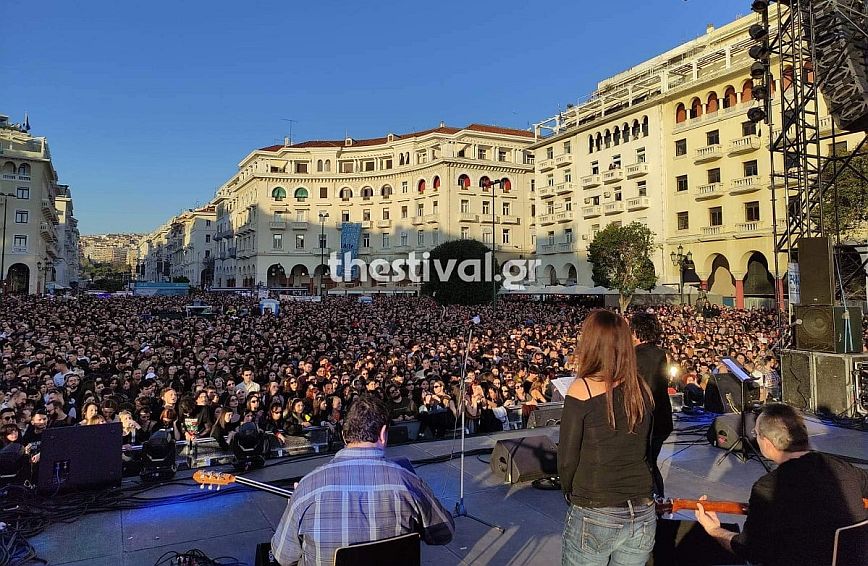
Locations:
(751, 169)
(505, 238)
(207, 238)
(643, 188)
(366, 240)
(712, 137)
(465, 206)
(748, 128)
(481, 154)
(567, 148)
(299, 241)
(568, 204)
(345, 216)
(714, 175)
(420, 209)
(300, 194)
(404, 238)
(551, 237)
(367, 193)
(502, 155)
(301, 216)
(465, 232)
(19, 243)
(681, 183)
(550, 207)
(207, 223)
(550, 152)
(420, 238)
(486, 237)
(21, 216)
(277, 241)
(385, 214)
(618, 196)
(683, 223)
(346, 194)
(301, 167)
(385, 240)
(323, 192)
(486, 207)
(752, 211)
(434, 208)
(616, 162)
(681, 147)
(404, 187)
(568, 235)
(386, 191)
(550, 180)
(435, 237)
(278, 193)
(366, 215)
(640, 155)
(715, 216)
(507, 208)
(22, 193)
(404, 212)
(568, 176)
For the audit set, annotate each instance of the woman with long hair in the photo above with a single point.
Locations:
(604, 438)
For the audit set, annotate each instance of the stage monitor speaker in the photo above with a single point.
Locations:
(685, 543)
(73, 458)
(524, 459)
(796, 380)
(725, 430)
(815, 272)
(828, 329)
(546, 414)
(842, 60)
(835, 382)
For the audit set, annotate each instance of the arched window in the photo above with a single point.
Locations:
(328, 165)
(300, 194)
(808, 72)
(421, 186)
(346, 194)
(24, 169)
(590, 143)
(599, 142)
(505, 184)
(464, 181)
(386, 191)
(401, 159)
(747, 91)
(730, 98)
(278, 193)
(436, 183)
(367, 193)
(696, 108)
(625, 132)
(319, 165)
(636, 129)
(485, 183)
(788, 77)
(712, 103)
(680, 113)
(644, 126)
(607, 139)
(617, 135)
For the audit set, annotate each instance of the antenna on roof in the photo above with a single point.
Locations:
(288, 141)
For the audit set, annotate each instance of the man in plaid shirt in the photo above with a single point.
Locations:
(360, 496)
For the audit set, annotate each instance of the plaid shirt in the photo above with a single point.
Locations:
(360, 496)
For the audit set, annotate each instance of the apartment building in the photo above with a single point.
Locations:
(183, 248)
(289, 206)
(698, 173)
(37, 244)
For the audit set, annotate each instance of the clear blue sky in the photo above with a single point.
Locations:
(149, 106)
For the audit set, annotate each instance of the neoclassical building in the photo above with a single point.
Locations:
(697, 173)
(289, 206)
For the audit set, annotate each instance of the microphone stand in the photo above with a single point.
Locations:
(460, 509)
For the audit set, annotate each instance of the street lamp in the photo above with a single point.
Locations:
(323, 216)
(5, 197)
(683, 262)
(486, 183)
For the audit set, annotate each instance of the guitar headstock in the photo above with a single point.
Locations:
(212, 479)
(664, 506)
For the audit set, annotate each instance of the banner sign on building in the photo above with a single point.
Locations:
(351, 233)
(793, 283)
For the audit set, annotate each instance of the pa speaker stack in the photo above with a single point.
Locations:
(530, 458)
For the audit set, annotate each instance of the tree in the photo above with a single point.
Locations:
(845, 198)
(621, 259)
(450, 266)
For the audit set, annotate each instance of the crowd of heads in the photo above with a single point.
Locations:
(89, 360)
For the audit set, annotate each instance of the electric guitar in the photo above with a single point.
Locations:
(728, 507)
(216, 480)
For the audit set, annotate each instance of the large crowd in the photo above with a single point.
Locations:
(83, 360)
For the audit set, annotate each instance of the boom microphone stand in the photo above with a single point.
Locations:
(460, 509)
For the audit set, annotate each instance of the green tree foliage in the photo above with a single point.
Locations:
(845, 198)
(621, 259)
(451, 289)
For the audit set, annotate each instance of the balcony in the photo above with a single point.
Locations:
(637, 203)
(591, 211)
(506, 219)
(564, 216)
(221, 234)
(563, 160)
(751, 229)
(637, 170)
(825, 126)
(711, 190)
(467, 217)
(231, 253)
(546, 192)
(418, 220)
(277, 225)
(711, 233)
(24, 178)
(708, 153)
(613, 175)
(744, 145)
(9, 177)
(300, 225)
(616, 207)
(591, 181)
(567, 247)
(546, 219)
(48, 210)
(747, 185)
(546, 248)
(432, 219)
(564, 188)
(384, 223)
(547, 165)
(47, 229)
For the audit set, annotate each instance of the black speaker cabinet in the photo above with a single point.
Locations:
(726, 429)
(76, 458)
(524, 459)
(815, 272)
(828, 329)
(685, 543)
(819, 381)
(547, 414)
(796, 379)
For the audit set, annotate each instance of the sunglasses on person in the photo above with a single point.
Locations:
(9, 418)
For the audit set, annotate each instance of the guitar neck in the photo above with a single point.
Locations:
(263, 487)
(728, 507)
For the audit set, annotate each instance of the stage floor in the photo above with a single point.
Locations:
(234, 521)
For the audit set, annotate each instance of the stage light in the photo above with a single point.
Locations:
(248, 446)
(756, 114)
(159, 457)
(759, 52)
(759, 6)
(758, 32)
(758, 70)
(760, 92)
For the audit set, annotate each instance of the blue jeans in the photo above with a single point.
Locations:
(609, 536)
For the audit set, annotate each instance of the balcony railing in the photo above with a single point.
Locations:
(546, 164)
(277, 225)
(432, 218)
(565, 247)
(751, 229)
(507, 219)
(564, 188)
(613, 175)
(386, 223)
(637, 203)
(546, 248)
(591, 181)
(546, 219)
(418, 220)
(546, 192)
(747, 184)
(613, 207)
(591, 211)
(708, 153)
(637, 170)
(744, 145)
(563, 160)
(564, 216)
(467, 217)
(712, 232)
(300, 225)
(711, 190)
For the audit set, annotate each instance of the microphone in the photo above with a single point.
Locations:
(796, 322)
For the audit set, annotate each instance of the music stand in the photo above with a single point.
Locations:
(743, 448)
